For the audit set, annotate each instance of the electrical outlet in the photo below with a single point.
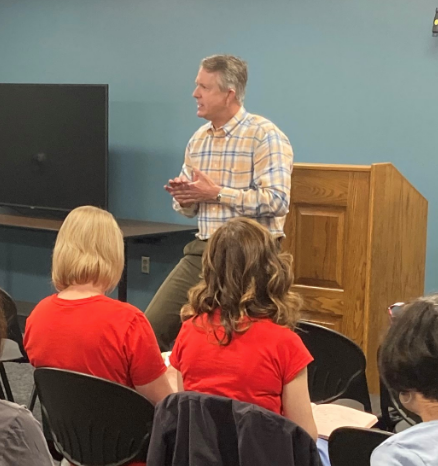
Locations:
(145, 264)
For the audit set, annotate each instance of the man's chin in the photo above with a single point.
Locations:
(202, 114)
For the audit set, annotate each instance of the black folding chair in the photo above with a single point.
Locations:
(338, 369)
(93, 421)
(352, 446)
(13, 350)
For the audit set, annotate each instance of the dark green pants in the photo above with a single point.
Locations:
(164, 310)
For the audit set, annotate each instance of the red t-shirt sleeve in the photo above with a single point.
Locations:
(294, 356)
(142, 351)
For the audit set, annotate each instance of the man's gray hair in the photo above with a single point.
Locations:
(233, 73)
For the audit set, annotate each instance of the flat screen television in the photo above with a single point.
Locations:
(53, 146)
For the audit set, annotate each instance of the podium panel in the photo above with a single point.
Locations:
(319, 258)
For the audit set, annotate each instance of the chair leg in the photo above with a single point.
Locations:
(2, 393)
(5, 381)
(32, 399)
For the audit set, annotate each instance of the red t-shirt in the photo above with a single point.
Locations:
(253, 368)
(98, 336)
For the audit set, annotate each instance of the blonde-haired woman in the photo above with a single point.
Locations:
(237, 338)
(82, 329)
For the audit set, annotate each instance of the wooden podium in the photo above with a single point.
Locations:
(358, 237)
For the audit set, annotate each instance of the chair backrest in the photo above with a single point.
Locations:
(352, 446)
(193, 429)
(14, 331)
(94, 421)
(338, 369)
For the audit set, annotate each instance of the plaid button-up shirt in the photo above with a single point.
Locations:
(252, 160)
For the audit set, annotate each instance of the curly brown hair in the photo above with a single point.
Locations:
(246, 278)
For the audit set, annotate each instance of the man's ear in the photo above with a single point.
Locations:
(231, 97)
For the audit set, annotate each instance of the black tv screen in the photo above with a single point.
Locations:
(53, 145)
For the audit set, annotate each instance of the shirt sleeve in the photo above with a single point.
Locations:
(186, 171)
(142, 351)
(394, 454)
(269, 195)
(295, 357)
(25, 443)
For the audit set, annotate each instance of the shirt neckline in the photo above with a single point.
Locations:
(77, 302)
(231, 124)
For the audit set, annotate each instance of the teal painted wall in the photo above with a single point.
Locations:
(349, 81)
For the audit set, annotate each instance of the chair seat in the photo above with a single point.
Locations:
(11, 351)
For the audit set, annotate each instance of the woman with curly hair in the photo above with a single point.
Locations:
(237, 338)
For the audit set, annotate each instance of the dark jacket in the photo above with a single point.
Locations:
(193, 429)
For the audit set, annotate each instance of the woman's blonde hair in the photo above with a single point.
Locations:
(88, 249)
(244, 276)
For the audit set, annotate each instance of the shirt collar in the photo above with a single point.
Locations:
(230, 125)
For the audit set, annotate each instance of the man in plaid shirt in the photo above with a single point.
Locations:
(236, 165)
